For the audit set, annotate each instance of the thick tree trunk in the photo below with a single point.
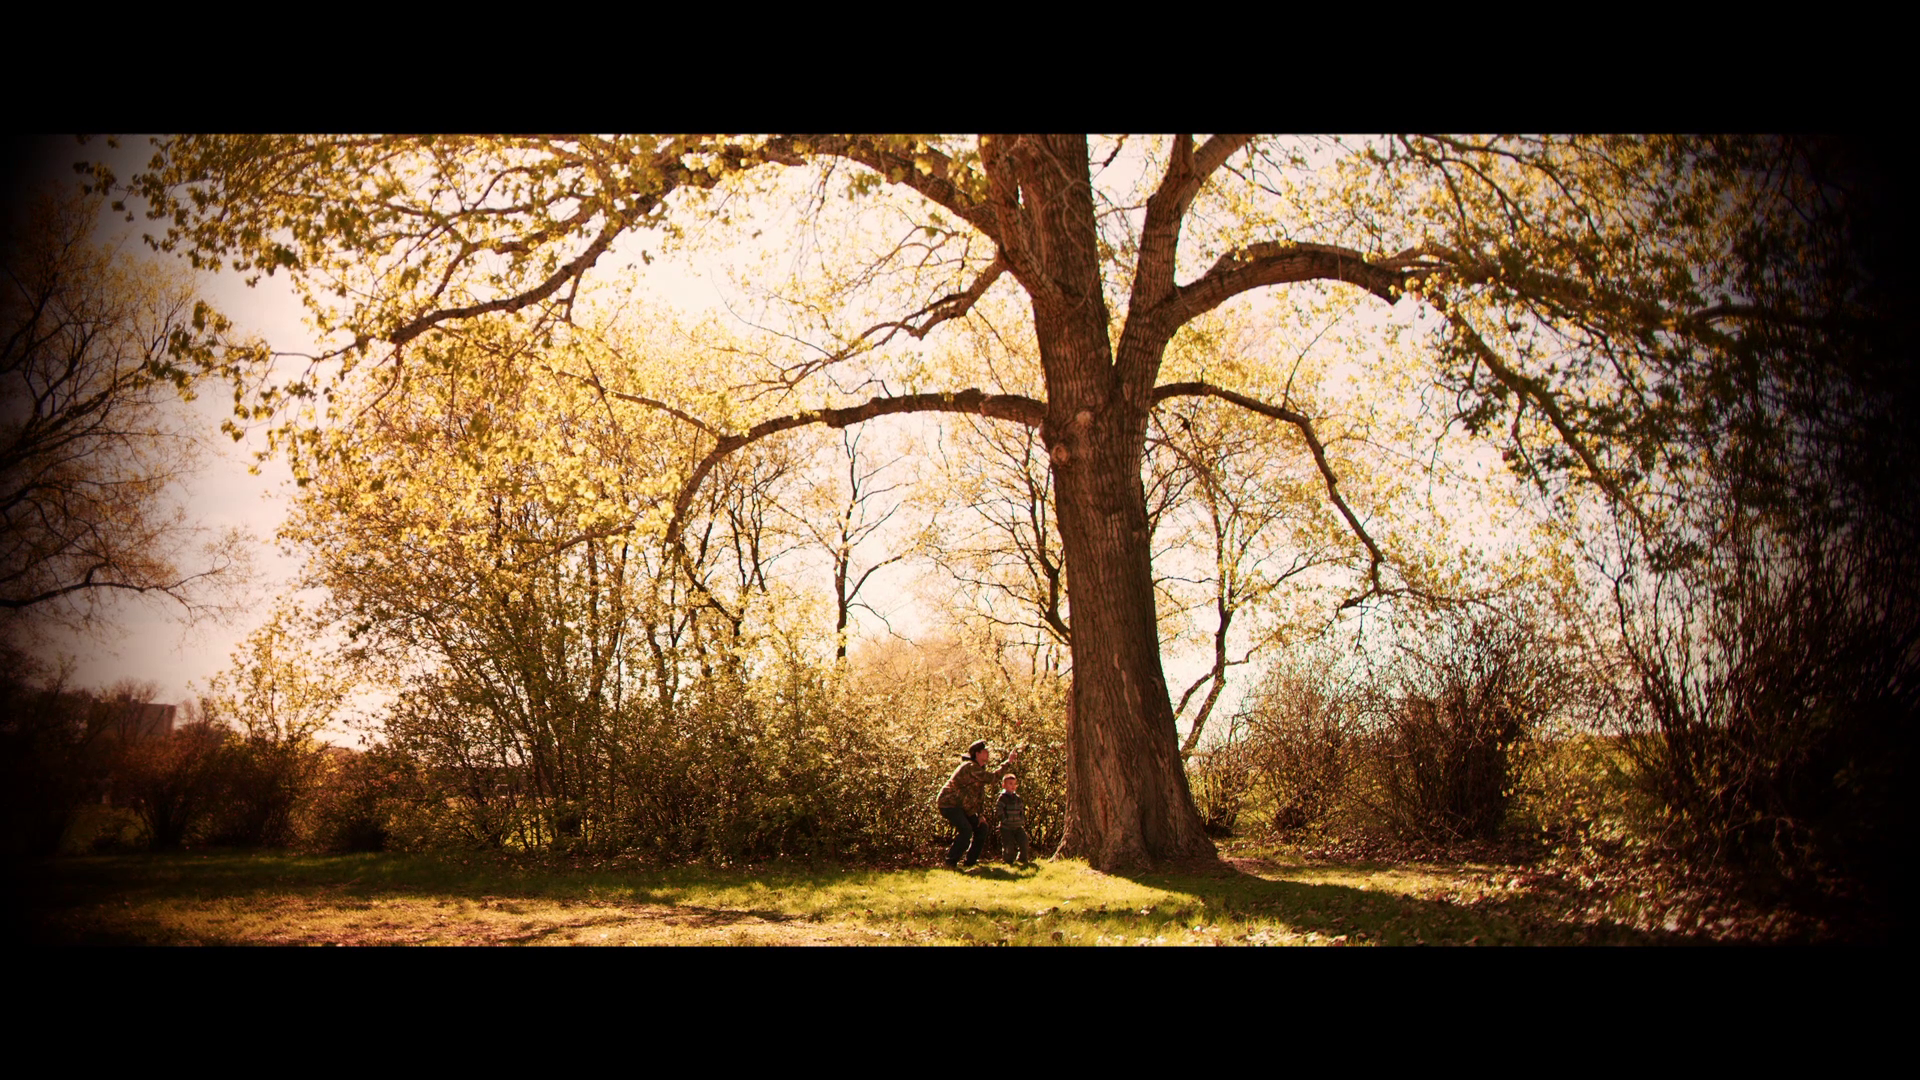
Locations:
(1128, 804)
(1127, 799)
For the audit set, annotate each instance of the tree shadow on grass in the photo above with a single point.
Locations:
(99, 900)
(1001, 872)
(105, 899)
(1389, 918)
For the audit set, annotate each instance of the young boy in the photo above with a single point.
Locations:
(1013, 820)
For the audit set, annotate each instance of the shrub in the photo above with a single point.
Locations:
(807, 761)
(44, 734)
(1223, 782)
(1302, 736)
(354, 799)
(1442, 740)
(1427, 743)
(262, 782)
(1775, 718)
(175, 782)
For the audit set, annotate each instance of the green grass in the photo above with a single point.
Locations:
(272, 898)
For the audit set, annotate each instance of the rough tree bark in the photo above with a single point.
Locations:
(1127, 798)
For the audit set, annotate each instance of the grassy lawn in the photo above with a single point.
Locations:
(1257, 898)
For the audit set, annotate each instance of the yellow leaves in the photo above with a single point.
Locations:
(278, 686)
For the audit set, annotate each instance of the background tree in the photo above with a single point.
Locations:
(1772, 631)
(992, 515)
(1575, 284)
(482, 540)
(277, 696)
(1254, 525)
(176, 783)
(58, 745)
(95, 355)
(857, 517)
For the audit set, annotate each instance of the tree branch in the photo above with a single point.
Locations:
(1530, 389)
(616, 224)
(1187, 170)
(677, 414)
(1273, 263)
(926, 170)
(1298, 420)
(170, 589)
(951, 306)
(1014, 407)
(1013, 233)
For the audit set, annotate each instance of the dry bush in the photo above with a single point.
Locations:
(1302, 736)
(1775, 719)
(1223, 781)
(842, 768)
(175, 782)
(1429, 745)
(1443, 738)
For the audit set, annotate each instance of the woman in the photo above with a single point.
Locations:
(961, 802)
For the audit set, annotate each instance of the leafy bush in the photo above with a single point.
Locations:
(355, 799)
(101, 829)
(808, 762)
(262, 783)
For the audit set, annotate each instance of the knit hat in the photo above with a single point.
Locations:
(974, 750)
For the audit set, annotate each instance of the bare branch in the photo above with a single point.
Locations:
(1298, 420)
(1218, 675)
(951, 306)
(172, 590)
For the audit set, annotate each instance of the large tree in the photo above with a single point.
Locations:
(1571, 284)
